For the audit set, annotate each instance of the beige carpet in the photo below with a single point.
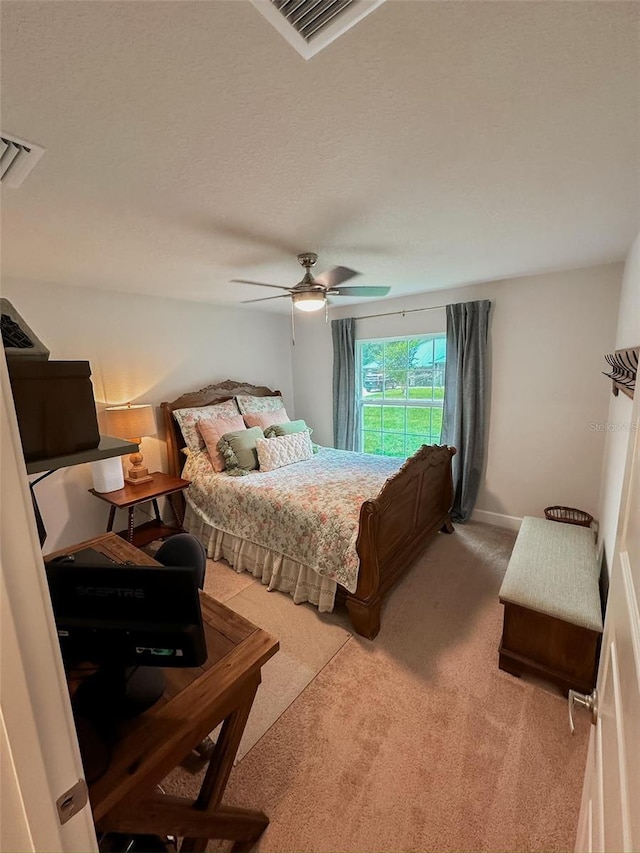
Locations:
(415, 741)
(305, 645)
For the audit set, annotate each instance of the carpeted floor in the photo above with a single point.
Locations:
(415, 741)
(307, 644)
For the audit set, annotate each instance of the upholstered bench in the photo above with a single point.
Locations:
(552, 611)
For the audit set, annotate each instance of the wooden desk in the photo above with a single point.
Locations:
(125, 798)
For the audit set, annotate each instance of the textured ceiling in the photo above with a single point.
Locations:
(434, 144)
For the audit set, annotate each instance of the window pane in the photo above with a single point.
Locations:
(372, 364)
(436, 424)
(418, 421)
(393, 418)
(395, 355)
(372, 442)
(420, 391)
(394, 384)
(372, 351)
(372, 417)
(392, 444)
(395, 368)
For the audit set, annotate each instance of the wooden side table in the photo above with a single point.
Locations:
(162, 485)
(125, 798)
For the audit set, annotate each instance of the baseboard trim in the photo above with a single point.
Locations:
(510, 522)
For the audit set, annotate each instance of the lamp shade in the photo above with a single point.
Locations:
(130, 421)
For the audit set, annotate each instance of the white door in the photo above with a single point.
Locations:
(39, 757)
(610, 815)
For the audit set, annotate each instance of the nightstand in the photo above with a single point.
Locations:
(162, 485)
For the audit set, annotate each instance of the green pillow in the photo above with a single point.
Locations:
(239, 449)
(286, 429)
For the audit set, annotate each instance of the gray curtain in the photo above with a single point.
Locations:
(463, 422)
(345, 416)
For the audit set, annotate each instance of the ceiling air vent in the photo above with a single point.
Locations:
(17, 159)
(310, 25)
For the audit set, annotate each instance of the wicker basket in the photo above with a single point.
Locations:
(568, 515)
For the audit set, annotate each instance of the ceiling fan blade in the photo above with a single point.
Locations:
(264, 298)
(335, 276)
(259, 283)
(360, 291)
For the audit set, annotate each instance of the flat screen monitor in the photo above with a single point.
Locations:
(127, 615)
(121, 625)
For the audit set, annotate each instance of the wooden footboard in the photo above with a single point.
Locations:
(395, 527)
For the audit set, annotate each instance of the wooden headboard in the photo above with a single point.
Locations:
(216, 393)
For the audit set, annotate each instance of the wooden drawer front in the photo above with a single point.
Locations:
(551, 645)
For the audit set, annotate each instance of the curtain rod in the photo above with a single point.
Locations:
(392, 313)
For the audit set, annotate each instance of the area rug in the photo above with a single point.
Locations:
(415, 741)
(305, 646)
(308, 640)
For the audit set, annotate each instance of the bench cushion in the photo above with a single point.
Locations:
(554, 570)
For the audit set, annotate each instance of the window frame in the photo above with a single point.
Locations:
(383, 401)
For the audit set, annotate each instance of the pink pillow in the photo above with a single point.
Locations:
(212, 430)
(266, 419)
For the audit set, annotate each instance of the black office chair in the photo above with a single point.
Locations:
(184, 549)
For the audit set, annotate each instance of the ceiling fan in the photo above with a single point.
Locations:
(310, 294)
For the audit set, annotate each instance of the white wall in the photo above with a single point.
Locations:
(548, 334)
(618, 421)
(142, 349)
(547, 338)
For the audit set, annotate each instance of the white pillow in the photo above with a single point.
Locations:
(283, 450)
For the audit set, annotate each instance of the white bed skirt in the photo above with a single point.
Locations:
(274, 570)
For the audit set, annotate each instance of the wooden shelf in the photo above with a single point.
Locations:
(107, 448)
(149, 532)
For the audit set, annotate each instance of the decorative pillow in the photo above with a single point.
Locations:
(188, 419)
(239, 449)
(287, 428)
(212, 430)
(266, 419)
(249, 405)
(283, 450)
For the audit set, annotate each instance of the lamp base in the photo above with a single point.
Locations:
(137, 476)
(137, 473)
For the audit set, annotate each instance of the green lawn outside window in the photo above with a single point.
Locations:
(400, 393)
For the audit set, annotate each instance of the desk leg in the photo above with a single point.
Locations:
(112, 515)
(196, 821)
(217, 776)
(130, 532)
(162, 814)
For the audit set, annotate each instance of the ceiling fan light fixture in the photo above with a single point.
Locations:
(309, 302)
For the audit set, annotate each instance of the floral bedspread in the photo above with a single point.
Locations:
(308, 511)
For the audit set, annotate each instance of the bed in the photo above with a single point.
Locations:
(383, 524)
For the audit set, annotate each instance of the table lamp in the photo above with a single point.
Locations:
(132, 423)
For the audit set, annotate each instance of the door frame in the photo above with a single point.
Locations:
(40, 754)
(622, 597)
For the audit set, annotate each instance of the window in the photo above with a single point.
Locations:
(400, 392)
